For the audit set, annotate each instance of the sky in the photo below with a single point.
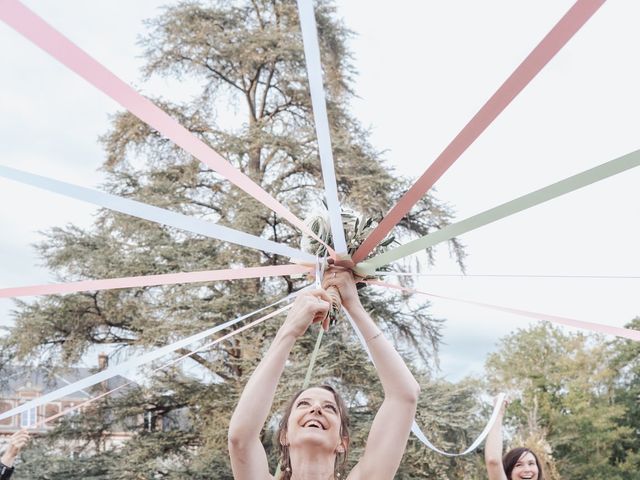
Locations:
(425, 68)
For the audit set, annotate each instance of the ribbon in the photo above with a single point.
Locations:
(39, 32)
(193, 352)
(497, 275)
(316, 348)
(415, 428)
(154, 280)
(551, 44)
(154, 214)
(318, 101)
(123, 368)
(569, 322)
(476, 443)
(570, 184)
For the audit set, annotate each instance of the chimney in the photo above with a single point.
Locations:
(103, 361)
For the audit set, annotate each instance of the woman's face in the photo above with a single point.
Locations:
(526, 468)
(315, 420)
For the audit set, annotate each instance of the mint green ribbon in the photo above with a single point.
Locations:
(529, 200)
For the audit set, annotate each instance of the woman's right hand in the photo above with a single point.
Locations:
(309, 307)
(16, 442)
(503, 407)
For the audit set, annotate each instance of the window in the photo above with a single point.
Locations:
(149, 421)
(28, 418)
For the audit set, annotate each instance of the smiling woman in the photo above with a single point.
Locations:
(517, 464)
(314, 431)
(312, 412)
(521, 463)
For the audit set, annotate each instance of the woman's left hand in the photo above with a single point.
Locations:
(343, 280)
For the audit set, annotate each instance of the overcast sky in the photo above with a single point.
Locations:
(425, 69)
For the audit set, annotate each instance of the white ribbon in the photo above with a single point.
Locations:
(476, 443)
(416, 429)
(318, 101)
(128, 365)
(154, 214)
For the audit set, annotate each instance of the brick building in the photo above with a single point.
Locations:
(22, 385)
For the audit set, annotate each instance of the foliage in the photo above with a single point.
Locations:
(626, 361)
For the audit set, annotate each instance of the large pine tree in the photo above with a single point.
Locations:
(247, 58)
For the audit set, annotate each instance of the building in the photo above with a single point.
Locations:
(22, 385)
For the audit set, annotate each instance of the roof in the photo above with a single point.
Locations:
(18, 378)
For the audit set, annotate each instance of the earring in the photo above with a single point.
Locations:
(288, 470)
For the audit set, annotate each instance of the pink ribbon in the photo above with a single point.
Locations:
(154, 280)
(35, 29)
(570, 322)
(568, 25)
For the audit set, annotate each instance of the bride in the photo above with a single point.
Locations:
(314, 432)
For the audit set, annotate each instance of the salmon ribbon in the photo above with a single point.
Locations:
(550, 45)
(569, 322)
(154, 280)
(40, 33)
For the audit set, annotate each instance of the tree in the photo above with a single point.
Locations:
(566, 384)
(247, 55)
(626, 361)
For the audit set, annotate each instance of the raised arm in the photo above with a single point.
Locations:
(248, 458)
(493, 448)
(392, 424)
(16, 442)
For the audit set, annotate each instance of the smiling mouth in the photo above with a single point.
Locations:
(314, 424)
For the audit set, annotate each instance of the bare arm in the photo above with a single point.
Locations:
(248, 458)
(493, 449)
(392, 424)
